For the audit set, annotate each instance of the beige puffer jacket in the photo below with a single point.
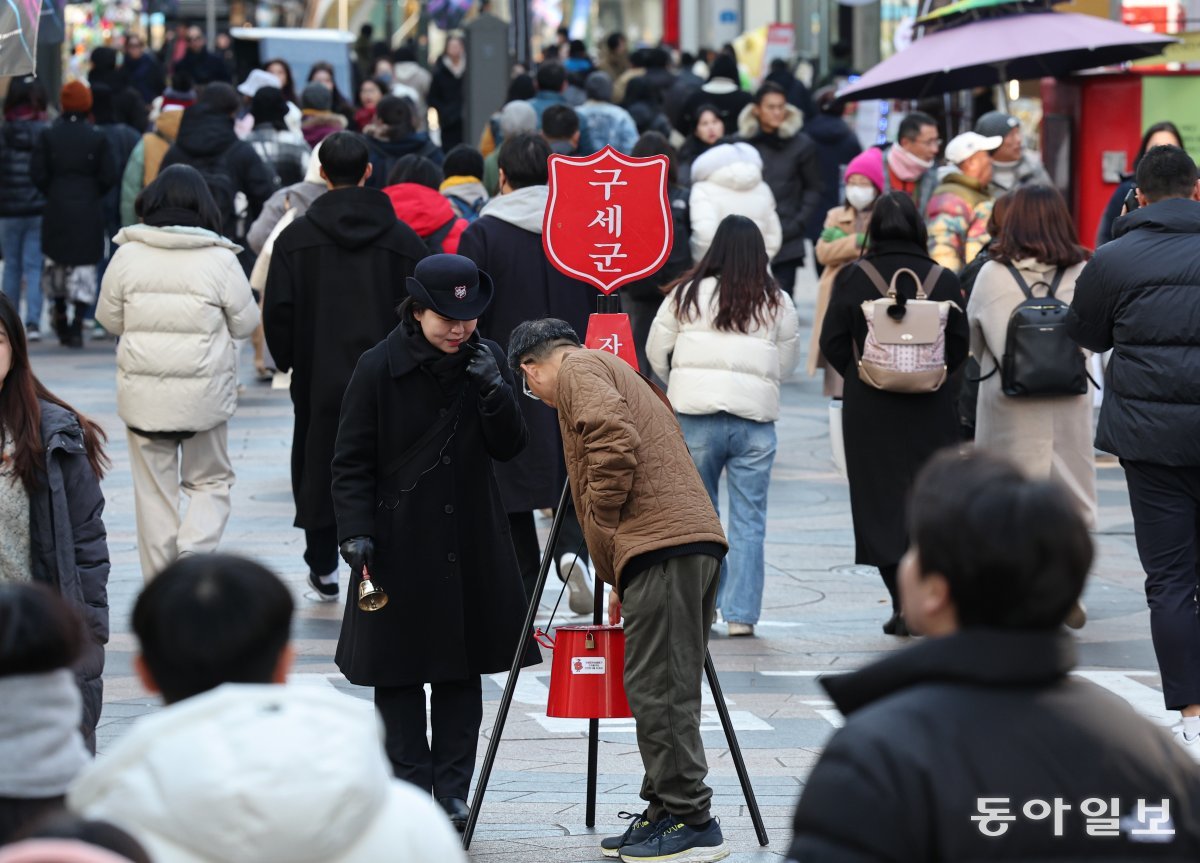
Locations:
(177, 297)
(635, 486)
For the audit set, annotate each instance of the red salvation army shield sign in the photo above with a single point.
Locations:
(608, 219)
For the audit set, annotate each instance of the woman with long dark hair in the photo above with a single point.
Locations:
(890, 435)
(392, 135)
(178, 297)
(51, 506)
(705, 134)
(321, 73)
(282, 70)
(723, 340)
(21, 202)
(1157, 135)
(425, 414)
(1047, 436)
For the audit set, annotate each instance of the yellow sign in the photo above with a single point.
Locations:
(1186, 50)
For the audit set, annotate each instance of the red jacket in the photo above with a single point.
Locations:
(426, 210)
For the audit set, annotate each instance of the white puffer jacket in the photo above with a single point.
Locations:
(177, 297)
(709, 370)
(257, 773)
(727, 181)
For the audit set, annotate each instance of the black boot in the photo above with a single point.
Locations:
(58, 320)
(75, 331)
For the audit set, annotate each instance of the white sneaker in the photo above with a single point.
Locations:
(580, 580)
(1190, 742)
(737, 630)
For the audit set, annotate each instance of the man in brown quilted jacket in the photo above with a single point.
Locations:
(656, 539)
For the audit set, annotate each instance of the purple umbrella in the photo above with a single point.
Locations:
(994, 50)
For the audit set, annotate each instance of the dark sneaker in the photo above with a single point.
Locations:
(33, 333)
(639, 830)
(326, 591)
(676, 842)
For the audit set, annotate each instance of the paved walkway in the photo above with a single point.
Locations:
(821, 614)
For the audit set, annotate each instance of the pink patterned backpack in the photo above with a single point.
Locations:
(905, 348)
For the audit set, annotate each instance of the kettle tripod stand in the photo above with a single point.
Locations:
(594, 724)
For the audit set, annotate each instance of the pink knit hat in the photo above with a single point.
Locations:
(870, 165)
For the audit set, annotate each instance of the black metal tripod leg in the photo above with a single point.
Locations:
(510, 686)
(735, 750)
(589, 813)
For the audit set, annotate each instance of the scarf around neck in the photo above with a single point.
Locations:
(905, 165)
(449, 370)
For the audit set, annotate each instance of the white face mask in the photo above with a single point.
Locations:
(861, 197)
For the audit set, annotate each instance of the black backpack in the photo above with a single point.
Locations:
(1040, 359)
(214, 169)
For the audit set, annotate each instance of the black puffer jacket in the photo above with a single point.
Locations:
(792, 170)
(18, 195)
(1140, 296)
(70, 546)
(74, 167)
(207, 142)
(932, 729)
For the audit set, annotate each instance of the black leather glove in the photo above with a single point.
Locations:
(358, 551)
(483, 369)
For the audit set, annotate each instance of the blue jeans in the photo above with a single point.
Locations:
(21, 243)
(745, 450)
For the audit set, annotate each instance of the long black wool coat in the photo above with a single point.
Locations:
(413, 470)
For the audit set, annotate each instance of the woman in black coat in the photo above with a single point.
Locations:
(418, 506)
(888, 435)
(74, 167)
(51, 505)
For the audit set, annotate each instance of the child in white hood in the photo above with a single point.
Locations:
(727, 181)
(240, 769)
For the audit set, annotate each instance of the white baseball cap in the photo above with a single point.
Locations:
(968, 144)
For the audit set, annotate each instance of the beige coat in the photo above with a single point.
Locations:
(178, 298)
(635, 486)
(1049, 436)
(833, 256)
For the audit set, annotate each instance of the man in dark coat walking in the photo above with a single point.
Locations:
(837, 145)
(337, 275)
(506, 242)
(977, 743)
(790, 167)
(1138, 297)
(207, 142)
(201, 65)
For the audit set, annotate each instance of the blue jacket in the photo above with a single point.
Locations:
(607, 124)
(70, 546)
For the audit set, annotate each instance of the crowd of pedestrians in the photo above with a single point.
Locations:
(391, 273)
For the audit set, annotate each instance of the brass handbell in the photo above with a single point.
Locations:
(370, 597)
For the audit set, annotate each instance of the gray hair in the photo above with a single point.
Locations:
(517, 117)
(536, 339)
